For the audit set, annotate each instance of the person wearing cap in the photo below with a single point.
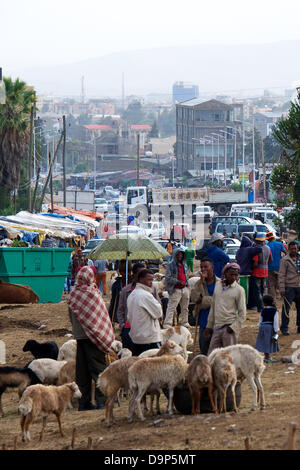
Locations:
(259, 274)
(289, 285)
(216, 254)
(277, 248)
(228, 310)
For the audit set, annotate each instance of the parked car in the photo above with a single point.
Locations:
(132, 229)
(91, 244)
(227, 219)
(204, 212)
(231, 250)
(231, 241)
(153, 229)
(201, 251)
(100, 204)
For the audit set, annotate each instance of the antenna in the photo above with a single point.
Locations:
(82, 90)
(123, 91)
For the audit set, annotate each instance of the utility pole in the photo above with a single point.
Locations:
(138, 161)
(30, 157)
(253, 161)
(64, 160)
(264, 168)
(51, 182)
(51, 162)
(36, 186)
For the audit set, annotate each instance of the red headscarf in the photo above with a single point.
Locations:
(89, 309)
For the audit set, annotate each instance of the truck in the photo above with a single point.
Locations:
(156, 199)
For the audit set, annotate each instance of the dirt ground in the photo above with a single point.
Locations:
(267, 429)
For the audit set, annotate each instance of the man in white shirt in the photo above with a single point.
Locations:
(144, 312)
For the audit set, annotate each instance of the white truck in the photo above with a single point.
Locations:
(156, 199)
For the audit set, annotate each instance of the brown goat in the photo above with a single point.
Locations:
(199, 376)
(17, 294)
(224, 375)
(45, 399)
(111, 380)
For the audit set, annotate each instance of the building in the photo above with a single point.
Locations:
(264, 121)
(208, 137)
(183, 91)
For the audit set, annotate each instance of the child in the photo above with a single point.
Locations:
(268, 327)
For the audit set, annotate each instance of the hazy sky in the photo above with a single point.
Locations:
(42, 32)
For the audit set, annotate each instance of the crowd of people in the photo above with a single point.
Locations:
(219, 300)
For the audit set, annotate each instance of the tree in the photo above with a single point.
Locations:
(14, 131)
(134, 114)
(287, 133)
(154, 130)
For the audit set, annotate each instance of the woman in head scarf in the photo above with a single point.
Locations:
(93, 331)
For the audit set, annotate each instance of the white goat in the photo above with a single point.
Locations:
(150, 375)
(67, 352)
(180, 334)
(249, 364)
(224, 376)
(116, 346)
(47, 370)
(169, 347)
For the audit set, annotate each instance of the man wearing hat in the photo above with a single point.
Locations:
(277, 249)
(259, 273)
(216, 254)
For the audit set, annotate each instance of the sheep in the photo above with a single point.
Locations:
(47, 370)
(45, 399)
(169, 347)
(111, 380)
(224, 375)
(152, 373)
(49, 349)
(11, 377)
(199, 376)
(249, 364)
(124, 352)
(67, 373)
(67, 352)
(180, 334)
(116, 346)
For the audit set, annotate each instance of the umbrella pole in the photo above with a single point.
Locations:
(126, 270)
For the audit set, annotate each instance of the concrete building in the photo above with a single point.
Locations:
(183, 91)
(208, 136)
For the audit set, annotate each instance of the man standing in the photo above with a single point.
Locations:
(259, 274)
(216, 254)
(101, 265)
(289, 285)
(201, 295)
(177, 287)
(144, 312)
(122, 307)
(276, 249)
(228, 310)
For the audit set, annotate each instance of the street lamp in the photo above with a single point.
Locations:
(231, 134)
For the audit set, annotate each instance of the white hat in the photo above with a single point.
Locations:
(216, 236)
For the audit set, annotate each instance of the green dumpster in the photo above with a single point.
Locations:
(244, 282)
(42, 269)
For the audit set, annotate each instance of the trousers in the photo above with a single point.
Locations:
(182, 297)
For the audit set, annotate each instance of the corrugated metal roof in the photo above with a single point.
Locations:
(96, 127)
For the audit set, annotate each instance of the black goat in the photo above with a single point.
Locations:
(11, 377)
(42, 350)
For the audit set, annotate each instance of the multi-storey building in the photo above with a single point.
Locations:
(183, 91)
(208, 136)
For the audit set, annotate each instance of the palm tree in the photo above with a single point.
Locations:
(14, 131)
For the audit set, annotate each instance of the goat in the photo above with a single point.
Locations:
(45, 399)
(111, 357)
(199, 376)
(111, 380)
(180, 334)
(151, 374)
(249, 364)
(11, 377)
(224, 376)
(49, 349)
(47, 370)
(67, 352)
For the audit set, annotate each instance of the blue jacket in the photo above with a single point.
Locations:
(218, 257)
(172, 270)
(276, 248)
